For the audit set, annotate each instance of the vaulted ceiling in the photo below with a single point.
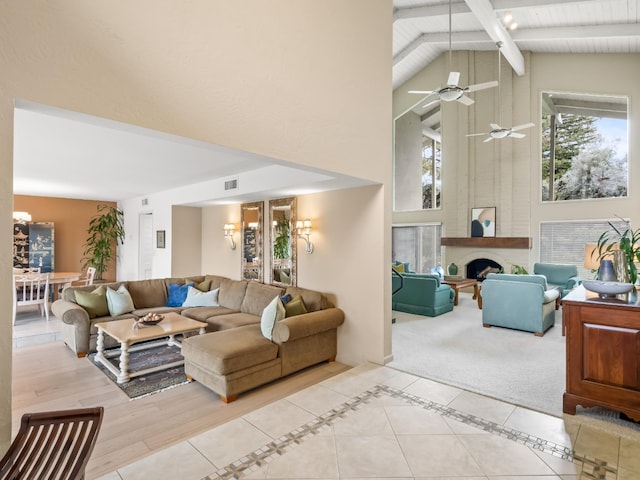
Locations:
(421, 29)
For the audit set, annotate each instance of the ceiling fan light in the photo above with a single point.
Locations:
(499, 133)
(449, 94)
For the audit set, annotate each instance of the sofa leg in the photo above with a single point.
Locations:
(228, 399)
(81, 354)
(331, 359)
(539, 334)
(189, 378)
(486, 325)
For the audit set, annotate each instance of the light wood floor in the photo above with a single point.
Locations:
(50, 377)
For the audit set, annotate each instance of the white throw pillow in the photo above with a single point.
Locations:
(119, 301)
(196, 298)
(272, 313)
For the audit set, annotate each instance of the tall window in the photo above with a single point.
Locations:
(564, 242)
(417, 244)
(584, 146)
(417, 159)
(431, 167)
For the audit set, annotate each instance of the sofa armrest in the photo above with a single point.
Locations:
(550, 295)
(307, 324)
(70, 313)
(573, 282)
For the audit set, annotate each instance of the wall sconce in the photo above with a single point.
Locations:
(229, 230)
(21, 217)
(304, 231)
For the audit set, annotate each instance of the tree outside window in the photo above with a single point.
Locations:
(584, 147)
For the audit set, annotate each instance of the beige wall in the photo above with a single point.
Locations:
(186, 234)
(301, 80)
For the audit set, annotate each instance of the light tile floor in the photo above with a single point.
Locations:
(377, 422)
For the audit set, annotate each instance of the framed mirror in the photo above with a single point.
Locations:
(282, 219)
(251, 217)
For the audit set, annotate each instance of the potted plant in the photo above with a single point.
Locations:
(624, 239)
(281, 248)
(106, 229)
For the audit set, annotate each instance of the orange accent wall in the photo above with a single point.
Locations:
(71, 220)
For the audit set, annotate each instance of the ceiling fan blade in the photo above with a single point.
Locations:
(522, 127)
(431, 99)
(466, 100)
(495, 126)
(488, 139)
(481, 86)
(476, 134)
(517, 135)
(454, 78)
(422, 92)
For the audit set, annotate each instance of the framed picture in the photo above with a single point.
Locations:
(160, 238)
(483, 222)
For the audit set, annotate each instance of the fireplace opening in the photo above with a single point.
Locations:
(479, 268)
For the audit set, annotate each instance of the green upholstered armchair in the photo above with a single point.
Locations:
(561, 276)
(521, 302)
(421, 294)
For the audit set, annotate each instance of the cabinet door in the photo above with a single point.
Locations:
(41, 246)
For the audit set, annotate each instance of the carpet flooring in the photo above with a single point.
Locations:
(151, 383)
(508, 365)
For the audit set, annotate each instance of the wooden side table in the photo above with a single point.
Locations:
(456, 285)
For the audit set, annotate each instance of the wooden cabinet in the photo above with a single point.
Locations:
(603, 352)
(33, 245)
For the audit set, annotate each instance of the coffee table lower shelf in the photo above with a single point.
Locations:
(127, 335)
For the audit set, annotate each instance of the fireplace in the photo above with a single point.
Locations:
(480, 267)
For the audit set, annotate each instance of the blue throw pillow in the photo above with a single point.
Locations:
(285, 299)
(178, 294)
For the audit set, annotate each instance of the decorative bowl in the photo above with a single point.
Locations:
(150, 319)
(607, 288)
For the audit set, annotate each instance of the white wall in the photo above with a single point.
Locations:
(300, 80)
(186, 241)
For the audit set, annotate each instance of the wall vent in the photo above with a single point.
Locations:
(145, 202)
(231, 184)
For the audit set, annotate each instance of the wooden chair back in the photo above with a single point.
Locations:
(52, 445)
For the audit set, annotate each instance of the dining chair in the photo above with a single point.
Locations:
(31, 289)
(52, 445)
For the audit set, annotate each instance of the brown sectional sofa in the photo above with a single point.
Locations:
(233, 356)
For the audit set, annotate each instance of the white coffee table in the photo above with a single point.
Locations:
(128, 333)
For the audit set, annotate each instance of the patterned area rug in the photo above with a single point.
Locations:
(151, 383)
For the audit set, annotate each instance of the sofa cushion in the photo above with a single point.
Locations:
(272, 313)
(258, 296)
(313, 300)
(196, 298)
(148, 293)
(230, 350)
(177, 294)
(119, 301)
(204, 314)
(295, 307)
(231, 320)
(95, 302)
(231, 293)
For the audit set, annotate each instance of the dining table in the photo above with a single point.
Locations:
(62, 279)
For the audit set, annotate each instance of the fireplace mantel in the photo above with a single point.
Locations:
(487, 242)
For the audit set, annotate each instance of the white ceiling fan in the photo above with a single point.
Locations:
(452, 91)
(498, 131)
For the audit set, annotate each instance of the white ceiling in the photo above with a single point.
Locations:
(58, 153)
(421, 29)
(65, 154)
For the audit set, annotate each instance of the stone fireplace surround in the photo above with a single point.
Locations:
(464, 257)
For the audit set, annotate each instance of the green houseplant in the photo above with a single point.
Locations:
(105, 230)
(624, 239)
(282, 230)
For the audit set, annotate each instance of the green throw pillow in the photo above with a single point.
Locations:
(95, 302)
(398, 268)
(295, 307)
(272, 313)
(204, 286)
(119, 301)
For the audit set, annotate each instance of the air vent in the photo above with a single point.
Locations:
(145, 202)
(231, 184)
